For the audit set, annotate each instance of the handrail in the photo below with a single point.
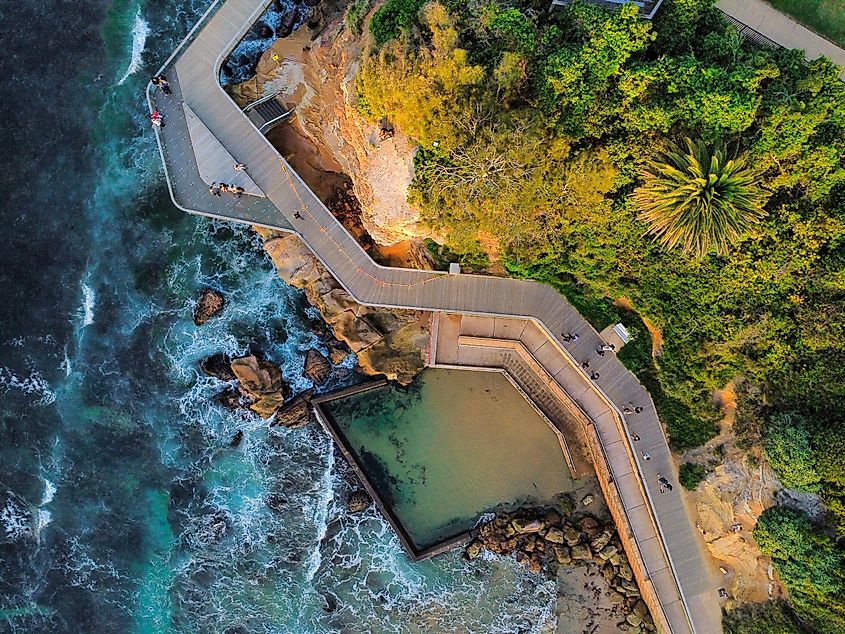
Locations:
(258, 102)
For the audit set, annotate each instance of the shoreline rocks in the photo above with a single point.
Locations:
(317, 367)
(209, 304)
(358, 502)
(542, 540)
(262, 383)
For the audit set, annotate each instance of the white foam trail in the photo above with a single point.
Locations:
(49, 492)
(140, 31)
(326, 495)
(89, 301)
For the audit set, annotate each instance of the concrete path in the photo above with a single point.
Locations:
(782, 29)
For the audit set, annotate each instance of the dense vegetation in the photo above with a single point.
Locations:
(811, 565)
(690, 475)
(535, 130)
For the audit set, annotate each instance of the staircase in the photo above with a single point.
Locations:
(268, 112)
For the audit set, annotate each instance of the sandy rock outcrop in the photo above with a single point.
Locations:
(387, 341)
(262, 383)
(317, 367)
(318, 78)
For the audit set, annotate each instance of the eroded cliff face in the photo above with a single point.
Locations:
(387, 341)
(318, 77)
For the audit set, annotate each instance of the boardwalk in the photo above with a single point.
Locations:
(783, 30)
(687, 592)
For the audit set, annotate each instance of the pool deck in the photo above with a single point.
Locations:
(679, 580)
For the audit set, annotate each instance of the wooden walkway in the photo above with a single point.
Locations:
(691, 600)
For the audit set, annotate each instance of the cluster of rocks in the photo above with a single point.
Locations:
(390, 342)
(543, 539)
(261, 388)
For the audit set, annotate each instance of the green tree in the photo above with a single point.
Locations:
(699, 200)
(761, 618)
(809, 563)
(786, 444)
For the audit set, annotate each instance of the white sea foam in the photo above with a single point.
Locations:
(33, 384)
(89, 301)
(140, 31)
(16, 518)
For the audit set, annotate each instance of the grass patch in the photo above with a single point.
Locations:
(691, 475)
(443, 256)
(825, 17)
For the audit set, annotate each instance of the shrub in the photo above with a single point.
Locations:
(691, 475)
(355, 15)
(392, 18)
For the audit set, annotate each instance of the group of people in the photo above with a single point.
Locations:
(218, 189)
(630, 408)
(160, 82)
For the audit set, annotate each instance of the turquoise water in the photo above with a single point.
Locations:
(451, 447)
(122, 506)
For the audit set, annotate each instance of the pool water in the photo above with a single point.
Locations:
(450, 447)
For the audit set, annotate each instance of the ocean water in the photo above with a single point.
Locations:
(123, 507)
(450, 447)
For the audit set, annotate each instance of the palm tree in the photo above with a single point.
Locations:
(698, 200)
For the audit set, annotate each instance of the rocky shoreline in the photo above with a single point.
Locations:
(543, 540)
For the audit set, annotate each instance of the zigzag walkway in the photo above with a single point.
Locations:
(690, 604)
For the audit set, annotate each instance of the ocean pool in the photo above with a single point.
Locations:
(450, 447)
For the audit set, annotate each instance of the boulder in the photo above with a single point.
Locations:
(562, 554)
(587, 500)
(626, 572)
(209, 304)
(615, 559)
(527, 526)
(218, 366)
(337, 354)
(590, 526)
(640, 608)
(295, 414)
(473, 550)
(317, 367)
(633, 620)
(572, 536)
(237, 438)
(553, 518)
(616, 598)
(535, 564)
(358, 501)
(580, 551)
(232, 399)
(607, 552)
(555, 535)
(602, 540)
(261, 381)
(608, 573)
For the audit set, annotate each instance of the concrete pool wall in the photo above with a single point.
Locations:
(437, 456)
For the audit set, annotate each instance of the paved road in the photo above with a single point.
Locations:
(290, 205)
(782, 29)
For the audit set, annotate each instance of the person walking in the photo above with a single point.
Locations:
(585, 365)
(297, 215)
(240, 167)
(214, 190)
(607, 347)
(160, 81)
(635, 437)
(569, 336)
(156, 119)
(224, 188)
(646, 456)
(595, 376)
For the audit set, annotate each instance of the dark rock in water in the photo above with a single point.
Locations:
(358, 501)
(288, 22)
(312, 3)
(210, 303)
(218, 366)
(277, 502)
(296, 413)
(263, 31)
(237, 438)
(317, 367)
(331, 602)
(232, 399)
